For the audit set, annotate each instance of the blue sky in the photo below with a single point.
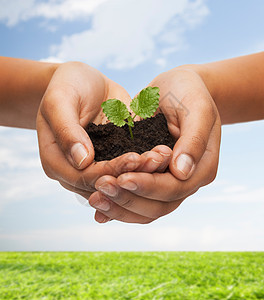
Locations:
(131, 44)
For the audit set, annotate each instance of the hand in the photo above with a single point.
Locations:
(73, 99)
(192, 117)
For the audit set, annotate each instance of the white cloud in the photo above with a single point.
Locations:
(21, 181)
(259, 47)
(124, 35)
(53, 59)
(235, 189)
(246, 127)
(15, 11)
(25, 185)
(252, 48)
(21, 173)
(161, 62)
(134, 238)
(230, 193)
(14, 157)
(67, 10)
(12, 12)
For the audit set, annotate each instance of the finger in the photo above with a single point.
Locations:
(192, 143)
(153, 161)
(158, 186)
(157, 160)
(166, 153)
(208, 165)
(190, 116)
(165, 187)
(153, 209)
(57, 167)
(99, 201)
(100, 217)
(60, 108)
(125, 163)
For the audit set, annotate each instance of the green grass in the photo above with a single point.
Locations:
(132, 275)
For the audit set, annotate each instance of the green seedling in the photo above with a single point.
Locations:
(144, 106)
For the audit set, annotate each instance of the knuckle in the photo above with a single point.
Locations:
(158, 211)
(63, 184)
(109, 169)
(49, 103)
(45, 105)
(173, 195)
(174, 205)
(209, 109)
(48, 172)
(166, 208)
(146, 221)
(199, 142)
(84, 184)
(46, 168)
(67, 186)
(62, 135)
(129, 163)
(121, 216)
(214, 169)
(212, 176)
(127, 203)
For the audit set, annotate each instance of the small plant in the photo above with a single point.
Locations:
(144, 106)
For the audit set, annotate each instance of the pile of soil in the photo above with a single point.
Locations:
(110, 141)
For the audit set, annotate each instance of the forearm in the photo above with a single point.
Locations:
(22, 85)
(236, 86)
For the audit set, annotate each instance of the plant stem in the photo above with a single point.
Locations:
(131, 133)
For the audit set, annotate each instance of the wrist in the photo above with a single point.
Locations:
(206, 75)
(49, 70)
(22, 87)
(41, 74)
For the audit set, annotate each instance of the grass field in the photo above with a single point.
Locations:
(131, 275)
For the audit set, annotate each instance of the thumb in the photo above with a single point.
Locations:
(63, 118)
(195, 130)
(115, 90)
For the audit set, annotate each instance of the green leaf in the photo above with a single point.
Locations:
(116, 111)
(146, 103)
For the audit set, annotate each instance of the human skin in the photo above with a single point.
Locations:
(73, 99)
(22, 85)
(194, 120)
(68, 100)
(71, 96)
(236, 86)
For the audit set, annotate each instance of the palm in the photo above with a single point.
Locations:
(91, 111)
(73, 99)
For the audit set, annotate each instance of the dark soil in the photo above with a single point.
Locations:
(110, 141)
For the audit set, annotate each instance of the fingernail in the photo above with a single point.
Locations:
(129, 185)
(156, 161)
(102, 219)
(184, 163)
(165, 154)
(108, 189)
(78, 154)
(152, 164)
(102, 205)
(131, 165)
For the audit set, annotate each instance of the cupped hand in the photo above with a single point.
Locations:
(193, 119)
(72, 100)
